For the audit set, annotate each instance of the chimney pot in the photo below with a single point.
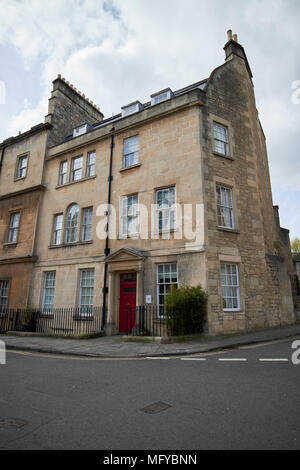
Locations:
(229, 34)
(235, 37)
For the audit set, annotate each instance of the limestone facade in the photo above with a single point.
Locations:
(243, 259)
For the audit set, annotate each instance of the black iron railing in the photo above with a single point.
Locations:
(57, 321)
(148, 320)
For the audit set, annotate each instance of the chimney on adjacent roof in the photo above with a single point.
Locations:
(233, 48)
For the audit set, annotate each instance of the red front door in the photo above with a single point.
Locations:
(127, 299)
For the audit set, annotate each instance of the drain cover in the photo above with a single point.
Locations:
(156, 407)
(12, 423)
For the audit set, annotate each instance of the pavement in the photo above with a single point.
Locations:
(116, 347)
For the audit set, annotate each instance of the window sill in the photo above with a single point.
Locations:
(69, 183)
(225, 229)
(67, 245)
(19, 179)
(230, 312)
(10, 244)
(227, 157)
(130, 167)
(129, 236)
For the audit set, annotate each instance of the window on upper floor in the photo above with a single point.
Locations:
(14, 226)
(57, 229)
(63, 171)
(76, 168)
(221, 142)
(77, 131)
(165, 206)
(161, 96)
(230, 287)
(87, 224)
(131, 151)
(22, 164)
(131, 108)
(225, 207)
(72, 221)
(90, 164)
(129, 215)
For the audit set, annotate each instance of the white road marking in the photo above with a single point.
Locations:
(234, 359)
(158, 358)
(193, 359)
(274, 360)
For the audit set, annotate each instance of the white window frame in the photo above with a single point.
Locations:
(165, 284)
(165, 210)
(4, 291)
(75, 171)
(161, 96)
(131, 157)
(57, 230)
(63, 175)
(22, 169)
(80, 130)
(228, 206)
(90, 167)
(218, 138)
(86, 310)
(68, 225)
(125, 215)
(227, 285)
(14, 227)
(131, 108)
(47, 288)
(87, 224)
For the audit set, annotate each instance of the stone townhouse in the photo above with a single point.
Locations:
(191, 160)
(21, 191)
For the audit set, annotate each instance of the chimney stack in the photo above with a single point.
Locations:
(234, 49)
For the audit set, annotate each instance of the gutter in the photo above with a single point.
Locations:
(107, 248)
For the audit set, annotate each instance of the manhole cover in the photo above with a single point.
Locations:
(12, 423)
(156, 407)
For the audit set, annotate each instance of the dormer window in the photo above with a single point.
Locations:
(131, 108)
(77, 131)
(161, 96)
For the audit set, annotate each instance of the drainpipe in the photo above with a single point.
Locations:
(107, 248)
(2, 157)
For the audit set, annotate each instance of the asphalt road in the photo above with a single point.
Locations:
(49, 402)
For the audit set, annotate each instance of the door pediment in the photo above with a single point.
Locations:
(125, 254)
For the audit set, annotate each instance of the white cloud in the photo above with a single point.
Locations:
(118, 51)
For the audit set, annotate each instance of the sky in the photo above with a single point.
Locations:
(119, 51)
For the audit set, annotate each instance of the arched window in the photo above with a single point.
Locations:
(72, 224)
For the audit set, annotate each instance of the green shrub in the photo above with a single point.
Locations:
(185, 310)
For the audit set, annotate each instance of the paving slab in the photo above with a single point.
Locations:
(114, 347)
